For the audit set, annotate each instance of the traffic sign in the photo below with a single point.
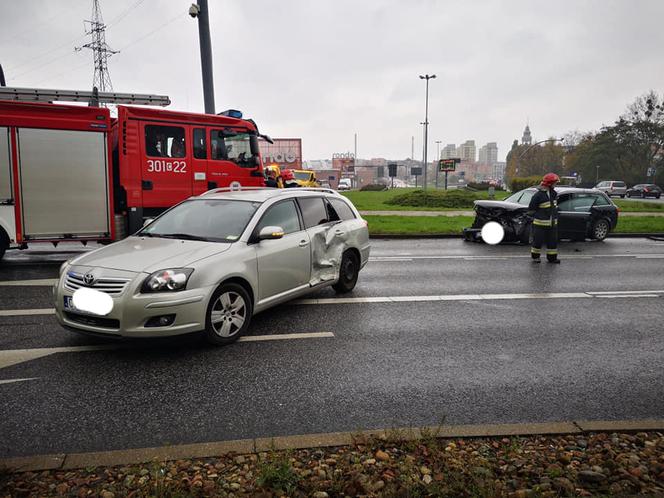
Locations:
(416, 171)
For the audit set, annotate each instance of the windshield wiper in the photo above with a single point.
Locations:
(185, 236)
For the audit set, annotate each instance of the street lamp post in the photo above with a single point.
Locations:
(426, 77)
(438, 142)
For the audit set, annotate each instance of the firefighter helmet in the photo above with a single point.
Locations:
(287, 174)
(550, 179)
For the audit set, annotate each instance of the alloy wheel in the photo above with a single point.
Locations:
(601, 230)
(228, 314)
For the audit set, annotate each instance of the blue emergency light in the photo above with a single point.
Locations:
(232, 113)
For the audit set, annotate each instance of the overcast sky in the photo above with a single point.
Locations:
(323, 70)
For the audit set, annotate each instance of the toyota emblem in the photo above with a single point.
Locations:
(89, 278)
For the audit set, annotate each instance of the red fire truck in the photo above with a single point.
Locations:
(74, 173)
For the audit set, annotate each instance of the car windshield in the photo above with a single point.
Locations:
(302, 176)
(214, 220)
(521, 197)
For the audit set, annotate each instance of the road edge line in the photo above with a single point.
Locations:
(62, 461)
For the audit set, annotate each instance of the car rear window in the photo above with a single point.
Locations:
(342, 209)
(618, 184)
(313, 211)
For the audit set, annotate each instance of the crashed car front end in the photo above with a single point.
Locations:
(513, 218)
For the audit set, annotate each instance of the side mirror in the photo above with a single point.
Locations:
(270, 233)
(148, 221)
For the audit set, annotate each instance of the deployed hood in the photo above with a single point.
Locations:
(144, 254)
(510, 206)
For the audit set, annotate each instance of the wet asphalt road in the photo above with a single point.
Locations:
(393, 364)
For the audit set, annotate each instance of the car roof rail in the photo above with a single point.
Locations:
(318, 189)
(219, 190)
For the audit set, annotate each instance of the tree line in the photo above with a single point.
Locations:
(631, 149)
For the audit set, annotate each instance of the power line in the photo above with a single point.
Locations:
(124, 13)
(158, 28)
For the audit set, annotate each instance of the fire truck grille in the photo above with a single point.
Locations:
(113, 286)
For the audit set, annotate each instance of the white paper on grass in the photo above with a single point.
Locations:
(92, 301)
(493, 233)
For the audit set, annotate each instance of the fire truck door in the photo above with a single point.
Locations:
(199, 162)
(166, 176)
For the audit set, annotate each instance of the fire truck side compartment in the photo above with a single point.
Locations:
(6, 190)
(64, 183)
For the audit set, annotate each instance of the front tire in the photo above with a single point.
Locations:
(348, 273)
(228, 314)
(600, 229)
(4, 243)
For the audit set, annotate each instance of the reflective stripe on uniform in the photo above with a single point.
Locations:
(552, 252)
(542, 223)
(545, 205)
(535, 250)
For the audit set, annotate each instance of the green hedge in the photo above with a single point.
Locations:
(519, 183)
(482, 186)
(455, 199)
(374, 187)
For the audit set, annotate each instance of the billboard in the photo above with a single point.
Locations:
(344, 161)
(286, 152)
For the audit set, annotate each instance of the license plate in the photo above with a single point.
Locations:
(69, 303)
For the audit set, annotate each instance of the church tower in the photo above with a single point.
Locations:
(526, 139)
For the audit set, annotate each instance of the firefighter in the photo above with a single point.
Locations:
(289, 179)
(544, 209)
(270, 179)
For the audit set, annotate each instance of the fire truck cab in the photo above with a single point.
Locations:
(163, 157)
(74, 173)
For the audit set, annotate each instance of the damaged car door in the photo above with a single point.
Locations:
(284, 264)
(327, 236)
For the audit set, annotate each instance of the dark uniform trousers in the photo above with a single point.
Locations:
(544, 235)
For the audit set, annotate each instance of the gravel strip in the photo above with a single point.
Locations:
(591, 464)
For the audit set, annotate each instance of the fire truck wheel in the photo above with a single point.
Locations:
(228, 314)
(4, 242)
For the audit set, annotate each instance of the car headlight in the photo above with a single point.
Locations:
(173, 279)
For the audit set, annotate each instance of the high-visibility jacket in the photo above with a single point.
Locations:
(544, 207)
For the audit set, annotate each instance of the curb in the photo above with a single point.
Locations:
(71, 461)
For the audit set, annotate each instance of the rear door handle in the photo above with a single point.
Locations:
(339, 233)
(304, 243)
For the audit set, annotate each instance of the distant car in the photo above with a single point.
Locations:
(644, 190)
(344, 184)
(582, 213)
(612, 187)
(306, 178)
(211, 262)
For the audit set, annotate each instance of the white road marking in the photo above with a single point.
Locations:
(599, 293)
(11, 381)
(26, 312)
(474, 297)
(12, 357)
(623, 296)
(44, 282)
(397, 299)
(498, 257)
(15, 356)
(284, 337)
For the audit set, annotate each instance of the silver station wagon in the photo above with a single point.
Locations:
(211, 262)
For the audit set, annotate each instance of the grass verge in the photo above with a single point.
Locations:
(639, 206)
(378, 201)
(453, 225)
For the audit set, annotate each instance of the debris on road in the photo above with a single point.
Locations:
(543, 466)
